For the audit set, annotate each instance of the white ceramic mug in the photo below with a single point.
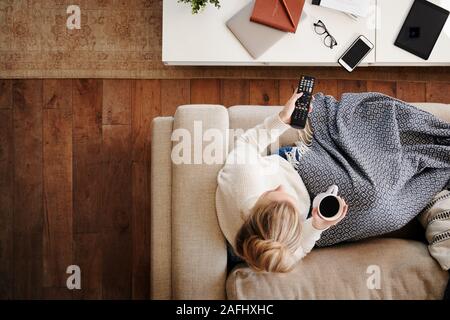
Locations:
(332, 202)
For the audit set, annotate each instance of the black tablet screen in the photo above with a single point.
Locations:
(422, 28)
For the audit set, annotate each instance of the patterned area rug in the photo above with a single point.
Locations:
(118, 38)
(122, 39)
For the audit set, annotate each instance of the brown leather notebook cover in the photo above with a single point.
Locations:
(272, 13)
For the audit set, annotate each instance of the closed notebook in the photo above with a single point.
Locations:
(254, 37)
(273, 13)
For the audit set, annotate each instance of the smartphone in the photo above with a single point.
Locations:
(356, 53)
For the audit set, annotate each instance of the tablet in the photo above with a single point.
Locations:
(422, 28)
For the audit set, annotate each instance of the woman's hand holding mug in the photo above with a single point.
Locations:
(320, 224)
(328, 209)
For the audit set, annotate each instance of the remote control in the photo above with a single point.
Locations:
(301, 111)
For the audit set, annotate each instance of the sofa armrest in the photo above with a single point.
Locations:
(199, 256)
(161, 207)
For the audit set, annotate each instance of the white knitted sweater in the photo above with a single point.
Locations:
(248, 172)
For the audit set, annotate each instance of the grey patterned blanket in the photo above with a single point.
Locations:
(388, 158)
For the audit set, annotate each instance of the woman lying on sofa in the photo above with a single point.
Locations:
(388, 158)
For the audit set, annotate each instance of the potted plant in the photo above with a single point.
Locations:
(198, 5)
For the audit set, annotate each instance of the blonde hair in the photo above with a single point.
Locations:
(270, 236)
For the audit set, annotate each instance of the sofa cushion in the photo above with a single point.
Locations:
(406, 271)
(245, 117)
(440, 110)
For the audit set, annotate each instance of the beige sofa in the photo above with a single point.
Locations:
(188, 250)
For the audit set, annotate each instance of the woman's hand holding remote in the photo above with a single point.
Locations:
(289, 107)
(286, 113)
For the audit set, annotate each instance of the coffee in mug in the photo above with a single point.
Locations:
(329, 205)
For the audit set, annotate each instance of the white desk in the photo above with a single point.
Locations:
(204, 39)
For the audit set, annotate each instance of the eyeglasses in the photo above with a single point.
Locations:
(321, 29)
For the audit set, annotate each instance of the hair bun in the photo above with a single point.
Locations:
(267, 255)
(269, 237)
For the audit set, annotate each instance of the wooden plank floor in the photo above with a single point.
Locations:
(74, 173)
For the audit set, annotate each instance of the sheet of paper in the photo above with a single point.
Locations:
(356, 7)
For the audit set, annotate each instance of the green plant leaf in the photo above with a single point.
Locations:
(198, 5)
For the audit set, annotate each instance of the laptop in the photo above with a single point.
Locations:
(254, 37)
